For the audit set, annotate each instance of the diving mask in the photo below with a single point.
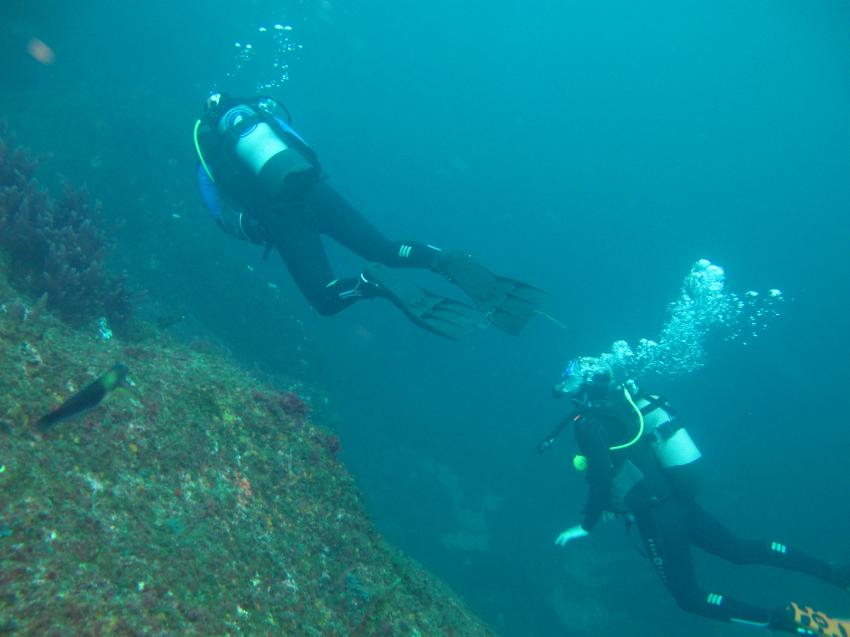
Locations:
(584, 372)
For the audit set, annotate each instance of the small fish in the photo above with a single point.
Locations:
(169, 320)
(85, 399)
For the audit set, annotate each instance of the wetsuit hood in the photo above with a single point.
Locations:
(586, 375)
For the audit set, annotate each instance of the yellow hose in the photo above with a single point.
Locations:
(640, 420)
(200, 154)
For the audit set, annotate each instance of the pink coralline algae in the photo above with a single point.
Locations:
(333, 445)
(284, 405)
(244, 486)
(294, 405)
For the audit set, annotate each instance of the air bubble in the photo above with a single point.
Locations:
(264, 62)
(704, 307)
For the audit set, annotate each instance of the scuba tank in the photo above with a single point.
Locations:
(670, 443)
(256, 133)
(243, 138)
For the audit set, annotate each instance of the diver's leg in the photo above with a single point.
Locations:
(664, 529)
(507, 304)
(342, 222)
(711, 535)
(324, 211)
(297, 240)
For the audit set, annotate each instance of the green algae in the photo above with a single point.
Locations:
(192, 502)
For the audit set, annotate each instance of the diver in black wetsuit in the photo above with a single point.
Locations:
(641, 463)
(250, 156)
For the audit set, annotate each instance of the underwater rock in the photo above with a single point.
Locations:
(182, 506)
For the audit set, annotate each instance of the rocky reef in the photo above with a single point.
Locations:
(192, 501)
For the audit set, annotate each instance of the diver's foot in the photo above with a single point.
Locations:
(804, 620)
(367, 289)
(435, 313)
(359, 288)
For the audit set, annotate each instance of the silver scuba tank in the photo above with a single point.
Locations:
(672, 446)
(259, 143)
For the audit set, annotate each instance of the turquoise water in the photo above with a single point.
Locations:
(595, 149)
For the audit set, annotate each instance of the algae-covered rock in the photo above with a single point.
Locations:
(190, 502)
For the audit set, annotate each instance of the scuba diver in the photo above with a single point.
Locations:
(642, 464)
(262, 183)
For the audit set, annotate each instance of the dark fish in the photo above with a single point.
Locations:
(169, 320)
(85, 399)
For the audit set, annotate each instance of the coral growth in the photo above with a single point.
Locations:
(285, 406)
(56, 246)
(189, 502)
(333, 445)
(294, 405)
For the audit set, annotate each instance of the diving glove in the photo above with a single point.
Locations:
(572, 533)
(252, 230)
(242, 226)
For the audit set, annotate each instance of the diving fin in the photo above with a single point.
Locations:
(805, 620)
(507, 303)
(430, 311)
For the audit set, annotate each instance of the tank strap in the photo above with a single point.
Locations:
(653, 403)
(664, 431)
(233, 133)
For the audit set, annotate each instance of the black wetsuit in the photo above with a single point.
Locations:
(290, 210)
(670, 520)
(294, 227)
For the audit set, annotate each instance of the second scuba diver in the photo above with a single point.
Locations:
(278, 196)
(641, 463)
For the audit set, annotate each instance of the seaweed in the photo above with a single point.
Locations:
(56, 245)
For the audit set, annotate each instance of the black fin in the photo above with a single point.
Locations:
(435, 313)
(507, 303)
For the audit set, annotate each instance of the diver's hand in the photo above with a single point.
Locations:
(572, 533)
(252, 230)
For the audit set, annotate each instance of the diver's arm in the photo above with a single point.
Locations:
(599, 476)
(231, 221)
(241, 226)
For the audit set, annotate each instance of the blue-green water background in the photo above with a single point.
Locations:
(594, 148)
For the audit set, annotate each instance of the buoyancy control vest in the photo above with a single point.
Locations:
(651, 452)
(637, 480)
(248, 143)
